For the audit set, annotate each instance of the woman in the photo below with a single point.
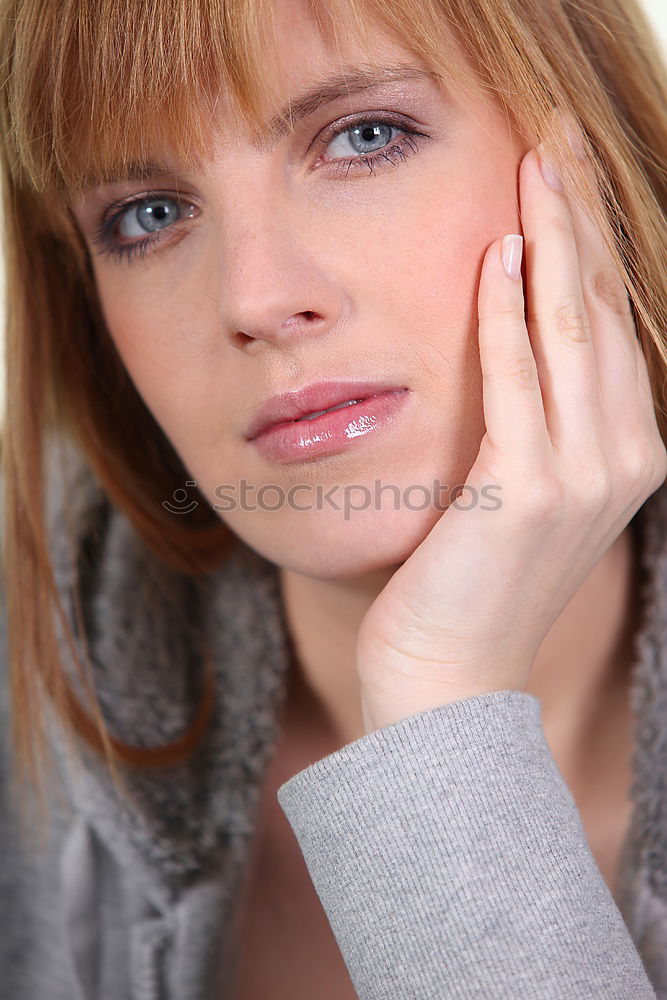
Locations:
(351, 699)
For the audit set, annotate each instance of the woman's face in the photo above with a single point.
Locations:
(292, 264)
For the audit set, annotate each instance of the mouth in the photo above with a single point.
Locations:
(314, 401)
(336, 429)
(329, 409)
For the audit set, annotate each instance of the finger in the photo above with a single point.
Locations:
(512, 397)
(622, 370)
(625, 384)
(557, 319)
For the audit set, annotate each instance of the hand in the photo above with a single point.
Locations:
(571, 440)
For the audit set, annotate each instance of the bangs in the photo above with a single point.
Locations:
(94, 89)
(99, 85)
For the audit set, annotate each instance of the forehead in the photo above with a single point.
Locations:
(312, 65)
(346, 81)
(256, 68)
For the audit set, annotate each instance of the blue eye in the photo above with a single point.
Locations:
(149, 214)
(369, 138)
(372, 139)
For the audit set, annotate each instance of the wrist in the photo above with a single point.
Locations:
(398, 700)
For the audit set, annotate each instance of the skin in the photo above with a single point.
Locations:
(287, 274)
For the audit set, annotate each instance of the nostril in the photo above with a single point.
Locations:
(243, 339)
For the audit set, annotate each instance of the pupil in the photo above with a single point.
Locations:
(155, 214)
(372, 134)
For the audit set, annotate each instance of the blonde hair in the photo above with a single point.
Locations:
(90, 86)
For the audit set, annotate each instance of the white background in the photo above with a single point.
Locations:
(657, 11)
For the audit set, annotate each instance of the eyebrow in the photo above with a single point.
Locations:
(351, 80)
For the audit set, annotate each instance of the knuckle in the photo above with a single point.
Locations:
(522, 371)
(560, 224)
(643, 466)
(571, 321)
(607, 289)
(543, 499)
(638, 466)
(505, 316)
(660, 473)
(661, 461)
(597, 488)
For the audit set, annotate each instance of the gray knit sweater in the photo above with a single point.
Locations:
(446, 849)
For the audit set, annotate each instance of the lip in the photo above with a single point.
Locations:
(334, 432)
(289, 406)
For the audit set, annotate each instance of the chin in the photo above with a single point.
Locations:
(325, 546)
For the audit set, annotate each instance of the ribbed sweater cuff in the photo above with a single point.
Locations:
(451, 861)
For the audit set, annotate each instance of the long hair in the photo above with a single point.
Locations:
(90, 86)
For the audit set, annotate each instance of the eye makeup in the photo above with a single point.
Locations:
(363, 129)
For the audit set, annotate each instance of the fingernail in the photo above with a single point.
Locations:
(512, 252)
(548, 172)
(573, 133)
(574, 138)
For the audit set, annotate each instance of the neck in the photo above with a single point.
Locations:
(324, 617)
(582, 663)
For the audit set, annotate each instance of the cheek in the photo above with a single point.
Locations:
(434, 244)
(414, 275)
(157, 334)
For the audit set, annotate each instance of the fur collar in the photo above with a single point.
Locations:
(143, 619)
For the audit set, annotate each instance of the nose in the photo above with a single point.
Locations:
(264, 324)
(273, 284)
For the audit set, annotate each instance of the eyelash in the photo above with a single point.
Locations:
(105, 243)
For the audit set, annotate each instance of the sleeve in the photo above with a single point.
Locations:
(451, 862)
